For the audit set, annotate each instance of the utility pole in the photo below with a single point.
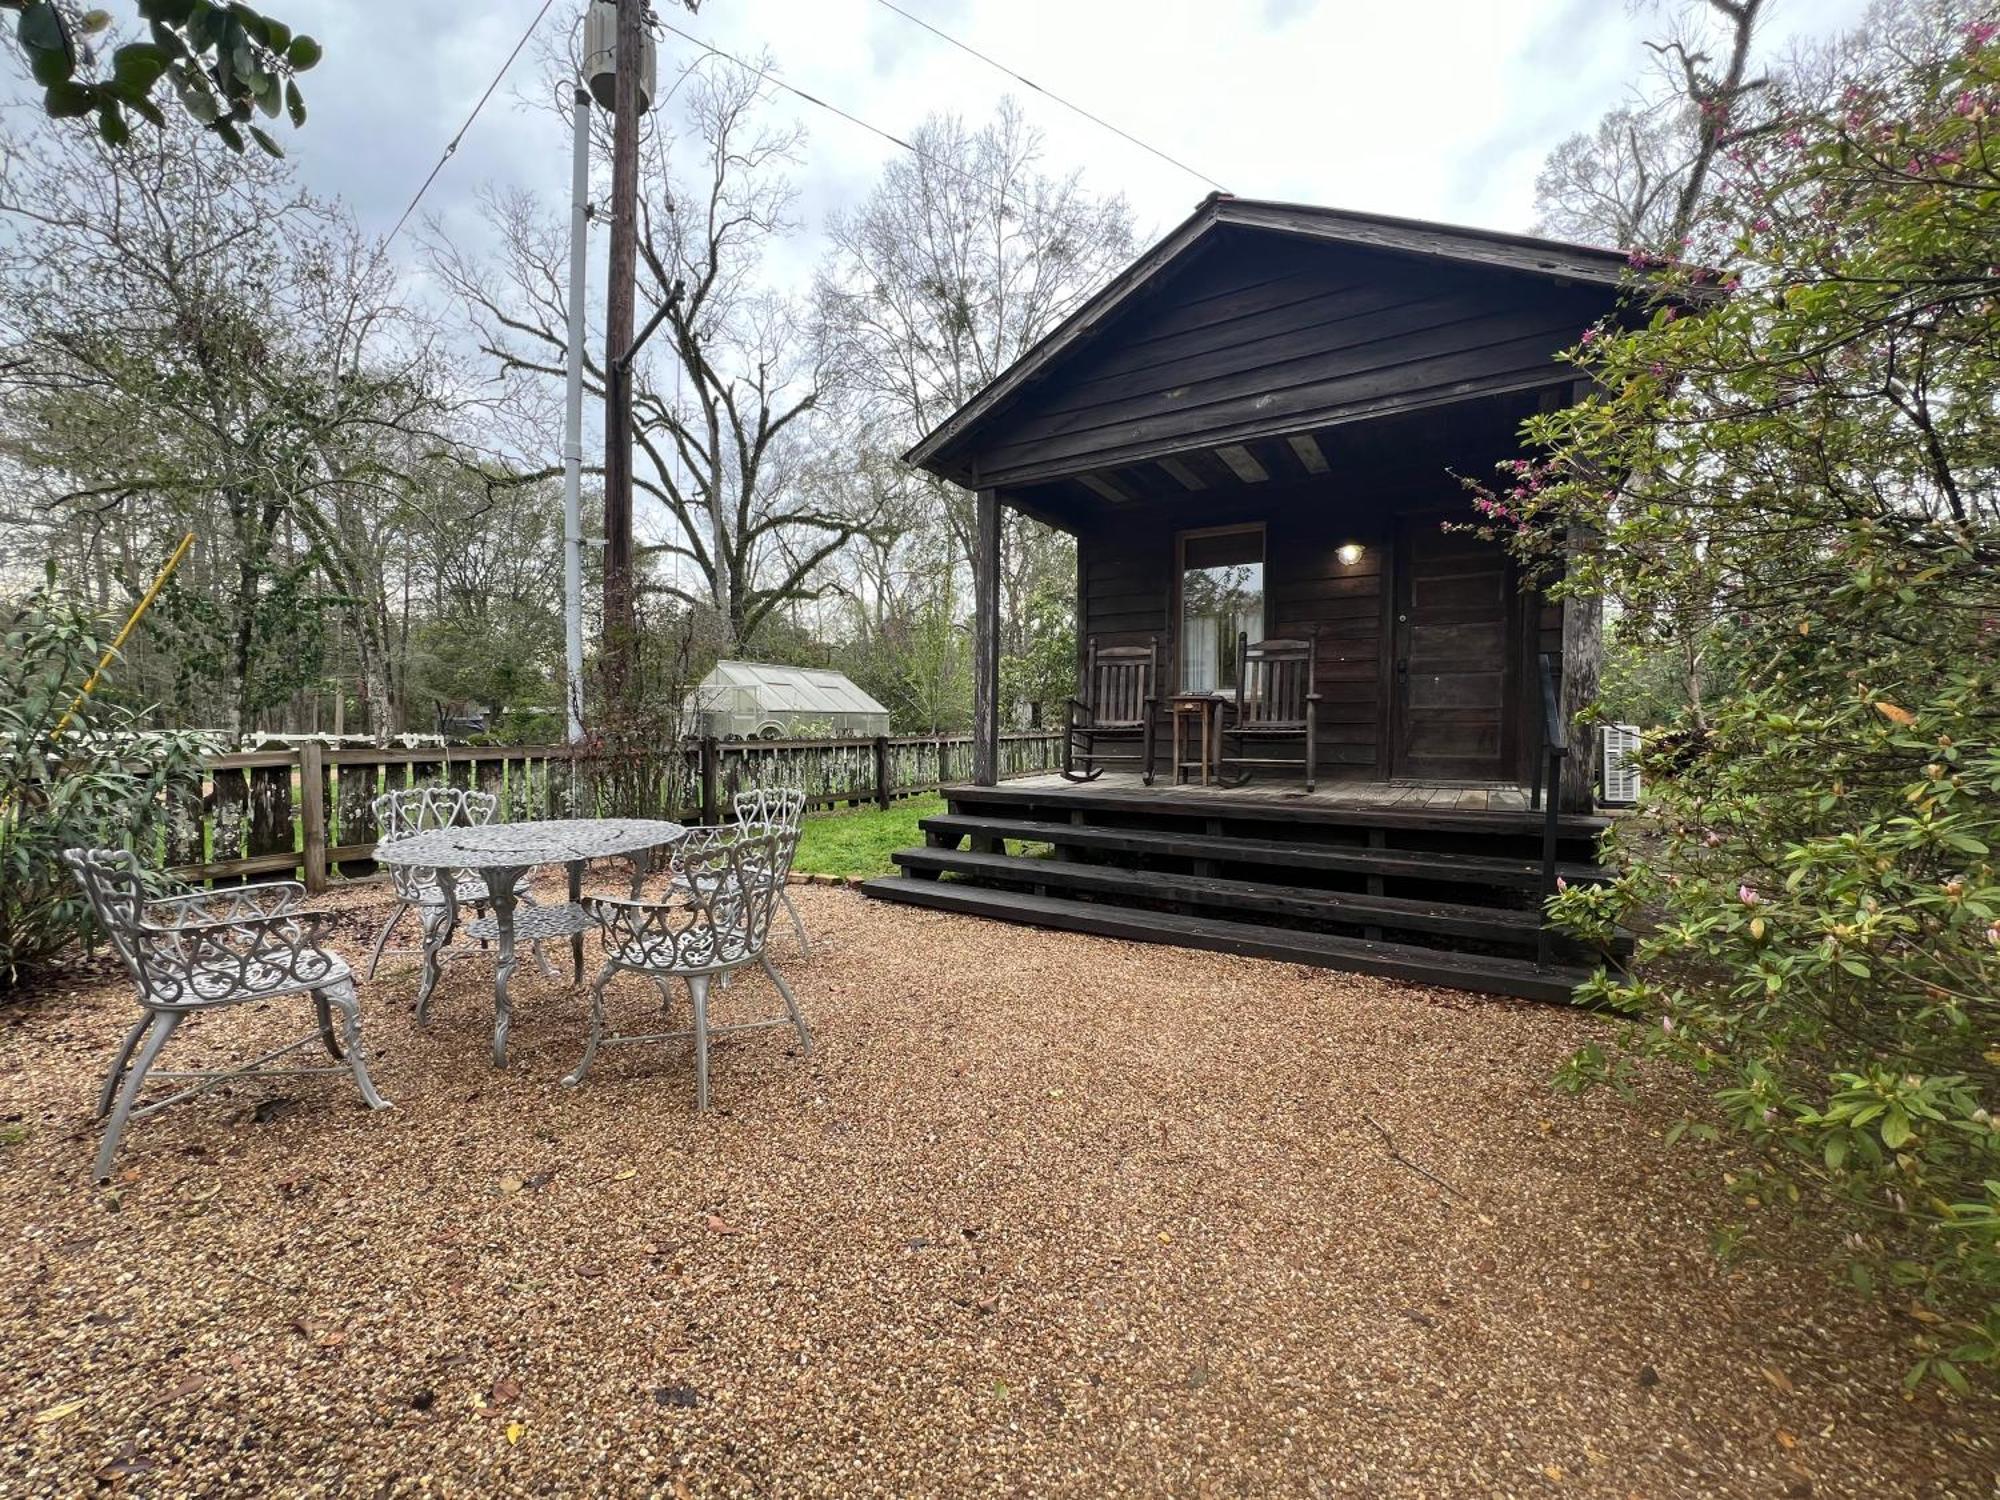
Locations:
(620, 622)
(579, 255)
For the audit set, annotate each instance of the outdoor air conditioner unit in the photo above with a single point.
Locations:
(1619, 774)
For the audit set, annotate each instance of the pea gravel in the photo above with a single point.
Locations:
(1041, 1214)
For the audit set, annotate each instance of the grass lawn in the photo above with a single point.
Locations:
(860, 843)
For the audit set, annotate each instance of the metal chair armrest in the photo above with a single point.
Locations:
(265, 899)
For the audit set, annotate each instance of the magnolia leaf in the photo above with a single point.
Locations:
(302, 53)
(65, 101)
(41, 29)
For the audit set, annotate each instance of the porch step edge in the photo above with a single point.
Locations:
(1478, 973)
(1352, 908)
(1164, 799)
(1404, 864)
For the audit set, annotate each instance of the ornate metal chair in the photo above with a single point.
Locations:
(203, 951)
(1275, 699)
(715, 920)
(1119, 693)
(413, 809)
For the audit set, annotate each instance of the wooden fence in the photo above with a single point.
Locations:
(307, 812)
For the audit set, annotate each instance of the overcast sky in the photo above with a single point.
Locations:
(1433, 108)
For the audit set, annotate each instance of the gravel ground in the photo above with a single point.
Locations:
(1041, 1214)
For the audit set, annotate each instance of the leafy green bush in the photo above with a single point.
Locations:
(1814, 465)
(102, 782)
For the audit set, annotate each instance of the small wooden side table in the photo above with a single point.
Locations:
(1201, 712)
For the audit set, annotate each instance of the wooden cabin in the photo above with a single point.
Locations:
(1257, 432)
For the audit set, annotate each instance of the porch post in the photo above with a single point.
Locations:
(1582, 664)
(986, 639)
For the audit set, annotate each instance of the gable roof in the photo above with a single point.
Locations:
(1553, 260)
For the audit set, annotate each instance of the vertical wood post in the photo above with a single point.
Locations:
(711, 792)
(1582, 664)
(884, 789)
(986, 640)
(312, 812)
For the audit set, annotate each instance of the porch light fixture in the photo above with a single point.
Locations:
(1349, 553)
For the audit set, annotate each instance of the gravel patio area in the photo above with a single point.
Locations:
(1041, 1214)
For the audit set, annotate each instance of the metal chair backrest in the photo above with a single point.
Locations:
(116, 890)
(1273, 679)
(1118, 683)
(781, 808)
(415, 809)
(776, 804)
(722, 918)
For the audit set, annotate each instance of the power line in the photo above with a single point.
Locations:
(895, 140)
(452, 146)
(1077, 109)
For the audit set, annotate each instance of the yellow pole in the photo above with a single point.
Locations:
(112, 650)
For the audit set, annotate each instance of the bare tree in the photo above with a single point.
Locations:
(964, 256)
(722, 393)
(1640, 179)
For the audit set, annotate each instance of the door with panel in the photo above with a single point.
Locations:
(1456, 617)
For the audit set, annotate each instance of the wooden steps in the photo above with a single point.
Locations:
(1249, 897)
(1487, 973)
(1433, 896)
(1424, 865)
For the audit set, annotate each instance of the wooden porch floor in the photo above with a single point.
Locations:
(1407, 796)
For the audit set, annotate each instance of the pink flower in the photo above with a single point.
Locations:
(1747, 894)
(1763, 222)
(1667, 1025)
(1561, 884)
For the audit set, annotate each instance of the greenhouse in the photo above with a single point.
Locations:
(760, 700)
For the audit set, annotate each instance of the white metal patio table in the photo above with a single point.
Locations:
(500, 854)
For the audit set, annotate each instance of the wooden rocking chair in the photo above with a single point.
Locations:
(1120, 689)
(1274, 700)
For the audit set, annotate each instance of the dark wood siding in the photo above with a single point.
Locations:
(1259, 333)
(1470, 721)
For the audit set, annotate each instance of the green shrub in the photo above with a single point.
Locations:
(101, 782)
(1808, 476)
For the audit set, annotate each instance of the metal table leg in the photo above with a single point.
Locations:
(437, 933)
(500, 892)
(576, 938)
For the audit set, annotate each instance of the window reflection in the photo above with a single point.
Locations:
(1222, 595)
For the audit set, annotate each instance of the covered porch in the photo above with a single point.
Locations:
(1260, 437)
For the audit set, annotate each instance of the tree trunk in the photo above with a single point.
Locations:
(1582, 665)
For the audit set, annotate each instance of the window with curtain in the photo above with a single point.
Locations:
(1222, 596)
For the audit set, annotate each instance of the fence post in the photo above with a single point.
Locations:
(883, 789)
(312, 812)
(710, 793)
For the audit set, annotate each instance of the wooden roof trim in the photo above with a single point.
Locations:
(1482, 247)
(1072, 330)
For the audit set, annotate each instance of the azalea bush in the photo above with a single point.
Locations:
(102, 782)
(1793, 467)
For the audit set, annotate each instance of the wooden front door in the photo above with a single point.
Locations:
(1453, 700)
